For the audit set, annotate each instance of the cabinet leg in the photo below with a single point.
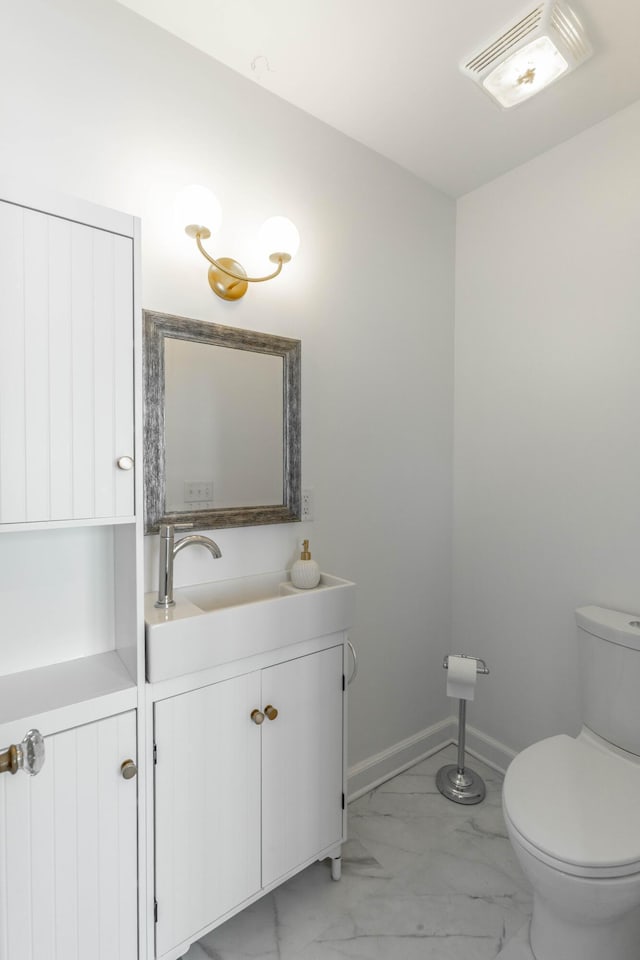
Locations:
(336, 868)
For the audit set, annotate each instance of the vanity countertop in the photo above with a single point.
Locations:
(221, 621)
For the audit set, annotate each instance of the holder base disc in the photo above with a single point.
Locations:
(466, 787)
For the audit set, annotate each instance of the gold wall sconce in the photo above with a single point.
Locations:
(201, 215)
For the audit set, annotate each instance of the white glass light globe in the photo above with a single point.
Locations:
(196, 206)
(279, 235)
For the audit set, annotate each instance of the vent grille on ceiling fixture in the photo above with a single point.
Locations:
(500, 47)
(547, 42)
(569, 28)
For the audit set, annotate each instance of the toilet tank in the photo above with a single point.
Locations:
(609, 664)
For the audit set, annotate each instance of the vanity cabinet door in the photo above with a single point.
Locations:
(207, 813)
(302, 761)
(239, 804)
(66, 369)
(68, 849)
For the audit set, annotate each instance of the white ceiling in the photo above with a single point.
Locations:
(387, 74)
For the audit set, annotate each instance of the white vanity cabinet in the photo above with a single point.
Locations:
(239, 804)
(66, 368)
(68, 849)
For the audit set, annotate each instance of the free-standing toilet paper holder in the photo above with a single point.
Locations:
(454, 781)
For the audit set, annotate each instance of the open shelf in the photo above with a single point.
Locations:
(32, 525)
(74, 683)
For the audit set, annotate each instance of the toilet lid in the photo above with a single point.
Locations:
(575, 803)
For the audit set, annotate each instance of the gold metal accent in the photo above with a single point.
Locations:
(223, 280)
(257, 716)
(128, 769)
(9, 760)
(306, 554)
(271, 712)
(527, 77)
(193, 231)
(227, 277)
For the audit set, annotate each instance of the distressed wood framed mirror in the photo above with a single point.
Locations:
(222, 425)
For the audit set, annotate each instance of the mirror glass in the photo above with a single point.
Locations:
(222, 425)
(224, 434)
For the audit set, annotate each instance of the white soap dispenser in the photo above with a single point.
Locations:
(305, 572)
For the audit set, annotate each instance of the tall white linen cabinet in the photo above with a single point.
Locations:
(71, 586)
(162, 807)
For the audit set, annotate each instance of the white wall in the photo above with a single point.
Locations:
(105, 106)
(547, 451)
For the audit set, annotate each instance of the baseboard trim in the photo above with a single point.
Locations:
(370, 773)
(483, 747)
(377, 769)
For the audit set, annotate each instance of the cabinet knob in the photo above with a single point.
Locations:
(125, 463)
(271, 712)
(257, 716)
(128, 769)
(27, 756)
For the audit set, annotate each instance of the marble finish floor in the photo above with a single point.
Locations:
(422, 878)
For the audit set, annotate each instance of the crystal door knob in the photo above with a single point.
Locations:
(27, 756)
(271, 712)
(257, 716)
(128, 769)
(125, 463)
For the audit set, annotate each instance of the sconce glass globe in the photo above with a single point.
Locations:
(198, 210)
(279, 238)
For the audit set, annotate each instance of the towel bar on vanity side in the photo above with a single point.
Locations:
(454, 781)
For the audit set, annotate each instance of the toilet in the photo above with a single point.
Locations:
(572, 806)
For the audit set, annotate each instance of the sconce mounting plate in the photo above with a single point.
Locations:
(225, 286)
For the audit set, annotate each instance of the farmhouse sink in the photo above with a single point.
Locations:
(218, 622)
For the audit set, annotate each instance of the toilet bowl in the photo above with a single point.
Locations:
(572, 807)
(578, 843)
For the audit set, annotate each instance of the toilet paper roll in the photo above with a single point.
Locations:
(461, 678)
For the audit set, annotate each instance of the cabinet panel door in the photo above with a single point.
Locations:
(301, 761)
(68, 849)
(207, 814)
(66, 369)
